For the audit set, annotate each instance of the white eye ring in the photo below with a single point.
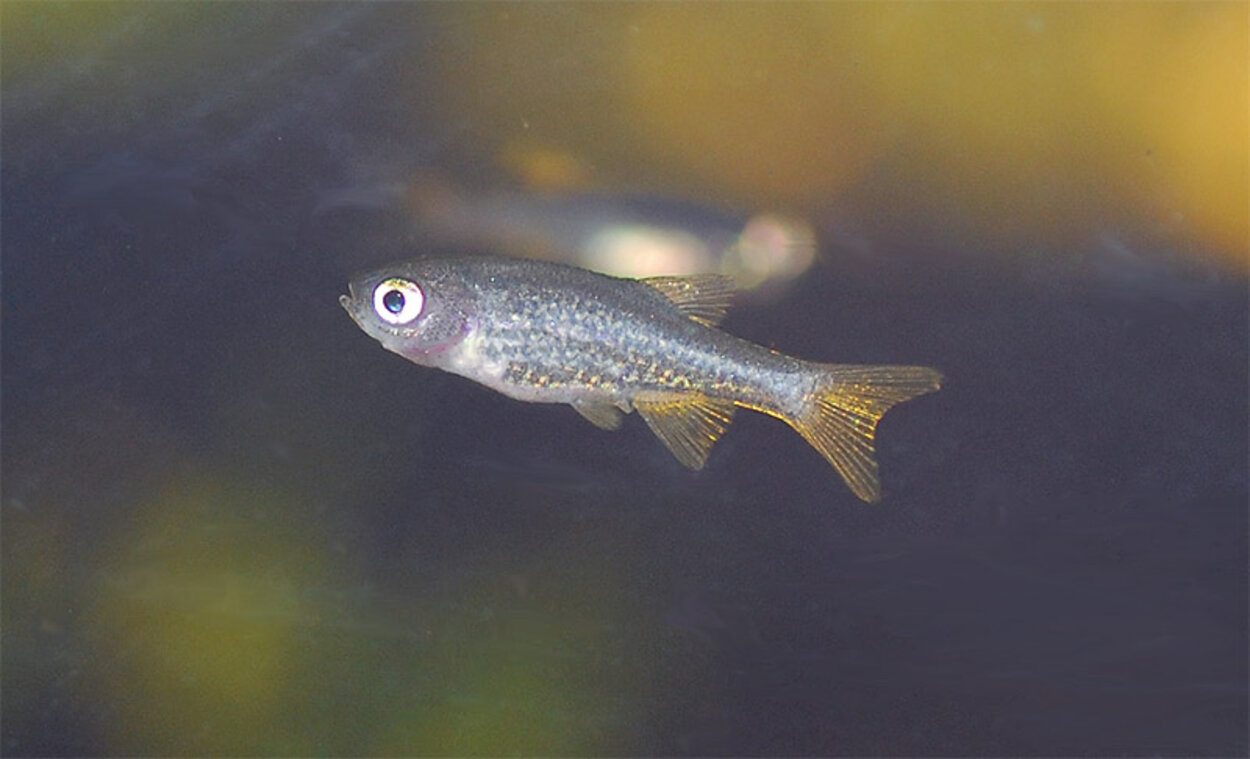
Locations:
(397, 301)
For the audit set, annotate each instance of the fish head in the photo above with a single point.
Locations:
(416, 309)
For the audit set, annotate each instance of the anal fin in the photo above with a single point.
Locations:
(688, 424)
(603, 415)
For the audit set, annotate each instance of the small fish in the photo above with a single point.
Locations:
(621, 234)
(549, 333)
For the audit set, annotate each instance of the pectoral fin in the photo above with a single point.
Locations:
(703, 297)
(605, 416)
(688, 424)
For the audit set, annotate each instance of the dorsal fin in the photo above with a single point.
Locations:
(703, 297)
(688, 424)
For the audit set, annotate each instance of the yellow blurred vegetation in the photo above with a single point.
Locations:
(196, 617)
(1008, 125)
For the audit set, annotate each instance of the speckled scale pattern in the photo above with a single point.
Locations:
(620, 338)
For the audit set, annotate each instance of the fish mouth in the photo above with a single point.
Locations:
(350, 305)
(350, 297)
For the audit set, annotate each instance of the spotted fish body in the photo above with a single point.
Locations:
(549, 333)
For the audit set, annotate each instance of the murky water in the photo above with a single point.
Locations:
(233, 525)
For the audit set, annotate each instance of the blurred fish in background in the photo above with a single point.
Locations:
(618, 233)
(622, 235)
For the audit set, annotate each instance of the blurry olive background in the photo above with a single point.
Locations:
(233, 525)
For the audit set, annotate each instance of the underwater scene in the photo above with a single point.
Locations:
(236, 520)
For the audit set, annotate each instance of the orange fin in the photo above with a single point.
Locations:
(703, 297)
(841, 417)
(688, 424)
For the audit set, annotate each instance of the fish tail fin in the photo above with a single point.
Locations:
(841, 415)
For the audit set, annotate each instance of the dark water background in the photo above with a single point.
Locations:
(232, 525)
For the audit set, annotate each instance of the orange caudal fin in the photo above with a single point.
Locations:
(841, 417)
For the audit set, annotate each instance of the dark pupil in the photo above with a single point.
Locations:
(394, 301)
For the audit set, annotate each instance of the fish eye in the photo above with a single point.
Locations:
(398, 301)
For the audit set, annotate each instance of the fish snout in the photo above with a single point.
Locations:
(351, 305)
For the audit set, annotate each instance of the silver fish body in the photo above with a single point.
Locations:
(550, 333)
